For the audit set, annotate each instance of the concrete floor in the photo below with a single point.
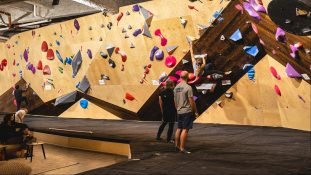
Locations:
(62, 160)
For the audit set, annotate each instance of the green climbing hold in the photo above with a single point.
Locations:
(60, 67)
(50, 79)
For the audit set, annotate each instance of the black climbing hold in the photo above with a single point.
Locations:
(104, 77)
(112, 63)
(103, 54)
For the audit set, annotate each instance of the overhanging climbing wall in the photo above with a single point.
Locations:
(105, 40)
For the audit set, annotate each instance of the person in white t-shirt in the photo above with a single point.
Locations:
(19, 115)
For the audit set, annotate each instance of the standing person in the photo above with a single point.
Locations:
(19, 115)
(18, 93)
(200, 68)
(185, 106)
(168, 110)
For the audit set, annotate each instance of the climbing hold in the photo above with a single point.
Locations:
(152, 52)
(297, 45)
(39, 35)
(162, 77)
(4, 62)
(89, 53)
(275, 73)
(251, 74)
(149, 66)
(219, 104)
(21, 55)
(184, 61)
(126, 36)
(183, 21)
(308, 51)
(46, 70)
(76, 24)
(109, 27)
(123, 56)
(191, 76)
(192, 7)
(84, 85)
(251, 50)
(127, 13)
(135, 8)
(172, 78)
(280, 35)
(100, 38)
(76, 63)
(159, 55)
(105, 14)
(44, 46)
(39, 65)
(247, 67)
(129, 97)
(163, 39)
(239, 7)
(102, 26)
(295, 53)
(132, 45)
(287, 21)
(220, 19)
(16, 42)
(229, 95)
(301, 12)
(90, 28)
(13, 62)
(190, 39)
(170, 49)
(195, 81)
(8, 46)
(236, 36)
(129, 27)
(27, 50)
(255, 28)
(50, 54)
(251, 11)
(110, 23)
(301, 98)
(261, 42)
(33, 70)
(103, 54)
(291, 72)
(277, 90)
(222, 37)
(146, 31)
(13, 53)
(61, 36)
(111, 63)
(137, 32)
(119, 18)
(104, 77)
(146, 71)
(84, 104)
(109, 49)
(50, 44)
(57, 42)
(54, 33)
(17, 64)
(25, 55)
(122, 67)
(27, 65)
(202, 29)
(144, 66)
(123, 30)
(59, 57)
(170, 61)
(257, 7)
(14, 74)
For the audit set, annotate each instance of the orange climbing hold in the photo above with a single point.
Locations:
(129, 97)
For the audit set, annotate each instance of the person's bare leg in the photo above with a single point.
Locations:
(23, 152)
(183, 138)
(177, 137)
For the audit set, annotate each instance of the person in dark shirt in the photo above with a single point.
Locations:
(168, 109)
(18, 93)
(9, 134)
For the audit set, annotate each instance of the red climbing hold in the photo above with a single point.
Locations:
(149, 66)
(119, 17)
(255, 28)
(14, 62)
(44, 46)
(146, 71)
(47, 70)
(50, 54)
(192, 7)
(277, 90)
(4, 62)
(39, 65)
(8, 46)
(123, 56)
(195, 81)
(191, 76)
(129, 97)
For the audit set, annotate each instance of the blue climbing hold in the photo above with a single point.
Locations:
(68, 60)
(16, 42)
(17, 64)
(21, 76)
(21, 56)
(61, 36)
(20, 71)
(84, 103)
(57, 42)
(251, 50)
(251, 74)
(247, 67)
(59, 57)
(77, 85)
(236, 36)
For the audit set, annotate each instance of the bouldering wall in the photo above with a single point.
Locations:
(257, 103)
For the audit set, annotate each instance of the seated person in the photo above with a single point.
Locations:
(200, 67)
(19, 115)
(9, 134)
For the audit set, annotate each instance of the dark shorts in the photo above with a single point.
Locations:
(185, 121)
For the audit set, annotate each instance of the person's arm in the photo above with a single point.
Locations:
(19, 115)
(160, 102)
(204, 61)
(191, 51)
(175, 103)
(194, 107)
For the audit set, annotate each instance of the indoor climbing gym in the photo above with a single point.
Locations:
(174, 87)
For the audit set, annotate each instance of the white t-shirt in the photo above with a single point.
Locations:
(22, 113)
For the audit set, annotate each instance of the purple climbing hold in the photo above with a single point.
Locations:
(89, 53)
(137, 32)
(291, 72)
(251, 11)
(152, 52)
(76, 24)
(159, 55)
(280, 35)
(30, 66)
(295, 53)
(25, 55)
(135, 8)
(33, 69)
(257, 7)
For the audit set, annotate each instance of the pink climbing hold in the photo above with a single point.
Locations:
(172, 78)
(179, 80)
(170, 61)
(14, 74)
(275, 73)
(15, 103)
(277, 90)
(257, 7)
(46, 70)
(178, 72)
(251, 11)
(295, 52)
(280, 35)
(239, 7)
(254, 28)
(274, 52)
(163, 39)
(261, 42)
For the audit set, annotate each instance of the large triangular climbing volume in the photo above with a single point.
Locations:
(190, 39)
(146, 31)
(84, 85)
(110, 49)
(202, 29)
(170, 49)
(68, 98)
(291, 72)
(145, 12)
(76, 63)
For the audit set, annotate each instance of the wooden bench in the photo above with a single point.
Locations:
(7, 149)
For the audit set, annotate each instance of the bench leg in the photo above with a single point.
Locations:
(5, 157)
(27, 152)
(31, 154)
(43, 151)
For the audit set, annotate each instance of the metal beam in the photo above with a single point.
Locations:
(44, 4)
(22, 6)
(6, 2)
